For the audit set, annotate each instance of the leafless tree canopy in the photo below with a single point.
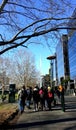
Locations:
(23, 20)
(21, 70)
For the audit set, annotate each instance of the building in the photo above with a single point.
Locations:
(72, 24)
(46, 80)
(66, 53)
(72, 47)
(72, 55)
(62, 58)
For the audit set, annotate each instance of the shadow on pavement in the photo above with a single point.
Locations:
(38, 123)
(71, 128)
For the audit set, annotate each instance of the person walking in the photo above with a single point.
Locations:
(41, 94)
(22, 94)
(50, 98)
(45, 98)
(29, 97)
(36, 98)
(61, 89)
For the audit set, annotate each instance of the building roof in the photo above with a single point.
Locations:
(51, 57)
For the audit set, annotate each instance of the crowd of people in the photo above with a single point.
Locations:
(41, 98)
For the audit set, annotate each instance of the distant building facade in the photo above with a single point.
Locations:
(72, 24)
(66, 53)
(62, 58)
(72, 47)
(46, 80)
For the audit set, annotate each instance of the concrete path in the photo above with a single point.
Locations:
(47, 120)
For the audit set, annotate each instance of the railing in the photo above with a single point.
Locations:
(69, 92)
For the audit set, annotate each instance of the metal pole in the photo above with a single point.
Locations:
(51, 73)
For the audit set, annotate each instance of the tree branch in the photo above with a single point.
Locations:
(14, 46)
(4, 2)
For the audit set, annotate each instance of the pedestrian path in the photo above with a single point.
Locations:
(46, 120)
(52, 119)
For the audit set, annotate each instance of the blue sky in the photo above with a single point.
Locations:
(42, 51)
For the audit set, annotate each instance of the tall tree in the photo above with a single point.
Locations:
(22, 21)
(22, 69)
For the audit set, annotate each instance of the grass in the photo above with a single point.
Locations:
(4, 106)
(6, 110)
(7, 96)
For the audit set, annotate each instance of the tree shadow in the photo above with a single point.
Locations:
(37, 123)
(71, 128)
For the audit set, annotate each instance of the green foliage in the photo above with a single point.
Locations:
(64, 82)
(3, 97)
(16, 96)
(6, 97)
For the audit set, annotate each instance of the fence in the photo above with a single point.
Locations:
(69, 92)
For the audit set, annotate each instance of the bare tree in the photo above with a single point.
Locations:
(22, 69)
(4, 80)
(30, 19)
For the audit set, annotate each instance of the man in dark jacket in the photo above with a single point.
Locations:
(36, 98)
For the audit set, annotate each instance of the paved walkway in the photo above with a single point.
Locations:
(46, 120)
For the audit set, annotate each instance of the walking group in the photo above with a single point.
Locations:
(41, 98)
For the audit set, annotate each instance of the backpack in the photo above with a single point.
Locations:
(50, 95)
(41, 93)
(22, 94)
